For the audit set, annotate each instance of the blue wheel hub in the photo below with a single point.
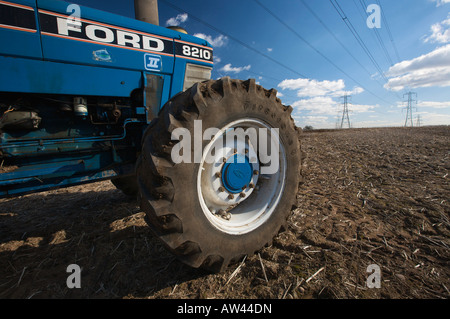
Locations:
(237, 173)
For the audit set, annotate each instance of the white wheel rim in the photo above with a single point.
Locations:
(249, 211)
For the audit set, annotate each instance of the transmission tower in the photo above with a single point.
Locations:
(419, 121)
(409, 107)
(345, 116)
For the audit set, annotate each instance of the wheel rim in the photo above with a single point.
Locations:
(233, 195)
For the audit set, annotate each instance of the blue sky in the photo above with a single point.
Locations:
(304, 49)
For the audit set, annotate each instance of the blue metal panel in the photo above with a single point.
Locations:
(34, 76)
(42, 170)
(108, 55)
(115, 42)
(178, 78)
(77, 49)
(19, 34)
(70, 174)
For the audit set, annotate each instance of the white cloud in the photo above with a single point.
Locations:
(317, 105)
(229, 68)
(432, 104)
(431, 69)
(314, 121)
(441, 2)
(216, 42)
(322, 97)
(378, 123)
(356, 90)
(428, 118)
(269, 49)
(327, 105)
(313, 88)
(361, 108)
(440, 32)
(176, 21)
(440, 57)
(425, 104)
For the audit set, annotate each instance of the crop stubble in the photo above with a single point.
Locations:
(369, 196)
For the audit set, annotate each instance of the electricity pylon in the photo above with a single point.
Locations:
(409, 107)
(419, 121)
(345, 111)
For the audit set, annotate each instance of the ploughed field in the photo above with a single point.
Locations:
(370, 199)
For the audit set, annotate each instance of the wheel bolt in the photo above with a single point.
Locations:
(242, 194)
(251, 185)
(218, 174)
(255, 172)
(221, 189)
(225, 215)
(231, 196)
(224, 159)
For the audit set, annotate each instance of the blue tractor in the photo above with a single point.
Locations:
(87, 95)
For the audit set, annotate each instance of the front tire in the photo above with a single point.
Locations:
(213, 211)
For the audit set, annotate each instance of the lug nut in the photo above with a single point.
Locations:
(246, 151)
(221, 189)
(225, 215)
(218, 174)
(231, 196)
(251, 185)
(242, 194)
(255, 172)
(224, 159)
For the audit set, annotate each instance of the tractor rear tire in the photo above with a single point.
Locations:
(173, 194)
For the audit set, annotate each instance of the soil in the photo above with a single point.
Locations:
(369, 197)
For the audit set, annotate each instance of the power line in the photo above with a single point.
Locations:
(304, 40)
(389, 31)
(352, 29)
(358, 38)
(334, 36)
(234, 39)
(378, 38)
(377, 34)
(339, 41)
(168, 3)
(314, 48)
